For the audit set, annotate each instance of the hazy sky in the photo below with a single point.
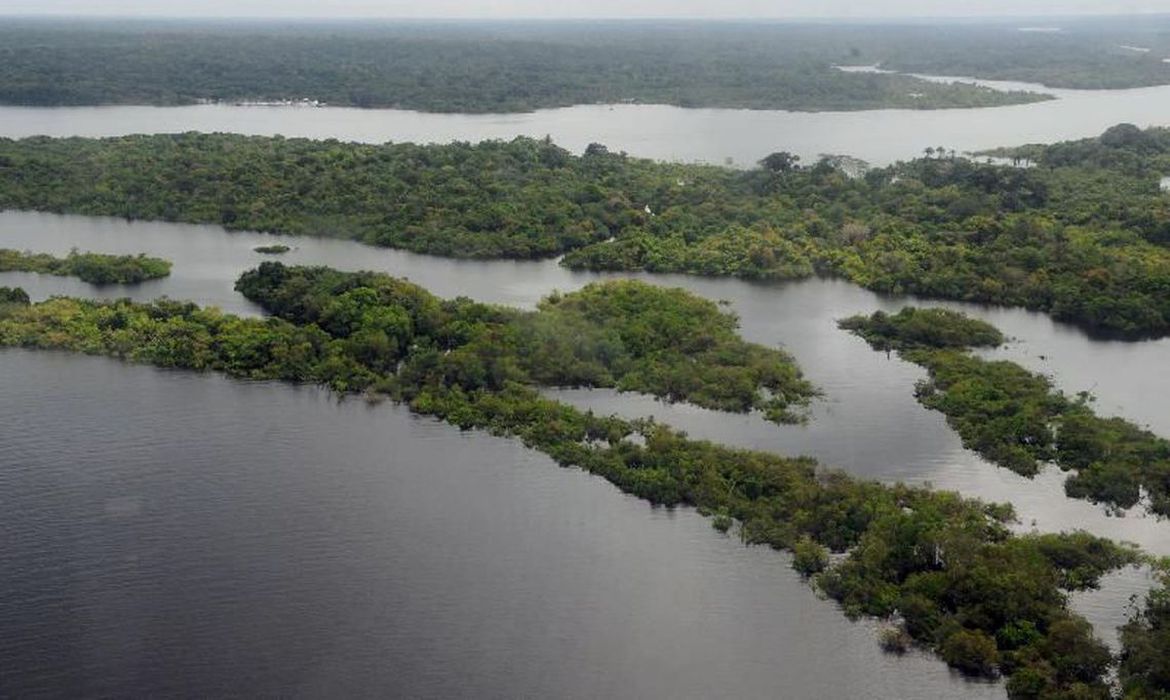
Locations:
(580, 8)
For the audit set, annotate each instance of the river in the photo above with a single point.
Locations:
(868, 424)
(172, 533)
(735, 136)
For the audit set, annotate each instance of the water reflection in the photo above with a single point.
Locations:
(171, 534)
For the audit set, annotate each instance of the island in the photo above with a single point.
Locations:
(95, 268)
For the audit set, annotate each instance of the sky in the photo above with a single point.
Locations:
(505, 9)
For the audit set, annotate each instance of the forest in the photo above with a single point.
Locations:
(1015, 418)
(473, 67)
(95, 268)
(947, 569)
(1083, 235)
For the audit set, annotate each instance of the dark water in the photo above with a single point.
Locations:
(173, 534)
(305, 524)
(736, 136)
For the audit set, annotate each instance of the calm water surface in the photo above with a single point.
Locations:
(868, 422)
(170, 534)
(183, 534)
(737, 136)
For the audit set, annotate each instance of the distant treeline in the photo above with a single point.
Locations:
(472, 67)
(1083, 235)
(948, 569)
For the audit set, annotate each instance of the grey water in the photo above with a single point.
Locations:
(177, 534)
(732, 136)
(868, 423)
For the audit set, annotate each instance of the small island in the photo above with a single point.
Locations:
(95, 268)
(274, 249)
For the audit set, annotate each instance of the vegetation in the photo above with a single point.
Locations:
(988, 601)
(94, 268)
(1015, 418)
(275, 249)
(627, 335)
(12, 296)
(1085, 53)
(930, 328)
(487, 67)
(1083, 236)
(1145, 665)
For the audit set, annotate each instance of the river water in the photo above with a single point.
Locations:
(177, 534)
(868, 424)
(735, 136)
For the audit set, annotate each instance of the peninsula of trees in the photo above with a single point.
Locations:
(1083, 235)
(1015, 418)
(989, 602)
(95, 268)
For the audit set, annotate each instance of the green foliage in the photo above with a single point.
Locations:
(931, 328)
(462, 67)
(13, 295)
(94, 268)
(1084, 236)
(808, 557)
(1015, 418)
(623, 334)
(970, 651)
(1145, 642)
(950, 566)
(275, 249)
(520, 199)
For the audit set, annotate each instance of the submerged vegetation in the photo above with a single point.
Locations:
(94, 268)
(1015, 418)
(1083, 236)
(989, 602)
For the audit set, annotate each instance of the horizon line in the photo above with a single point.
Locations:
(578, 18)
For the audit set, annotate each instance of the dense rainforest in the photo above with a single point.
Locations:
(479, 67)
(1082, 235)
(1015, 418)
(947, 569)
(95, 268)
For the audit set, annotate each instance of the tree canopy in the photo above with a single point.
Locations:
(989, 602)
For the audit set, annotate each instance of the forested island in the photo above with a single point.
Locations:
(488, 67)
(95, 268)
(948, 569)
(1015, 418)
(1082, 235)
